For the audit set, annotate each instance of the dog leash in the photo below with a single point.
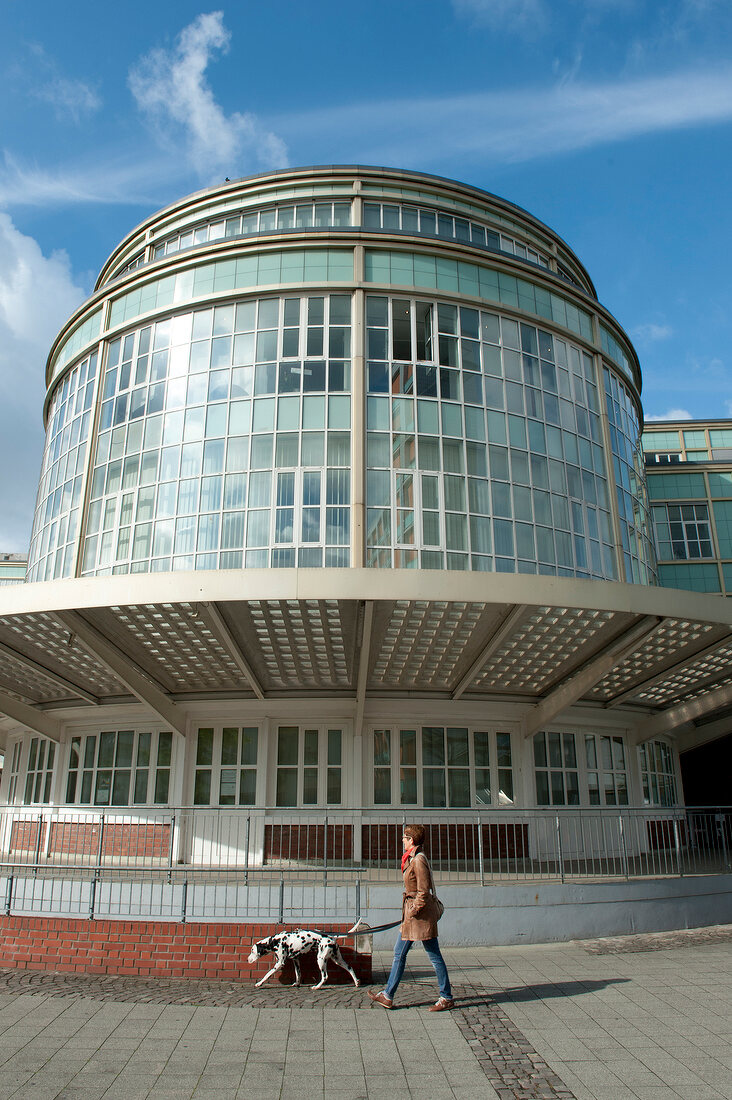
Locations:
(360, 928)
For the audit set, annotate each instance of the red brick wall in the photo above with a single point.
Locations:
(126, 841)
(455, 844)
(81, 838)
(159, 949)
(661, 834)
(24, 835)
(308, 842)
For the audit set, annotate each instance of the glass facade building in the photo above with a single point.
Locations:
(343, 367)
(343, 504)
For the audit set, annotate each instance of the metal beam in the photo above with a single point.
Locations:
(696, 736)
(36, 720)
(704, 651)
(588, 674)
(215, 622)
(140, 683)
(684, 712)
(36, 666)
(363, 664)
(497, 639)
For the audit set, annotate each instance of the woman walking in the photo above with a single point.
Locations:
(419, 922)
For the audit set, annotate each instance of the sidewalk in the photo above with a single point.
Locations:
(639, 1018)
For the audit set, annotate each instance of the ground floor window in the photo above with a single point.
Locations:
(555, 769)
(565, 775)
(120, 768)
(607, 771)
(658, 774)
(309, 766)
(39, 773)
(442, 766)
(226, 766)
(14, 770)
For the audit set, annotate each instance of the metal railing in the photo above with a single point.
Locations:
(193, 862)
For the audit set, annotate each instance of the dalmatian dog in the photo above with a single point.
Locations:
(291, 945)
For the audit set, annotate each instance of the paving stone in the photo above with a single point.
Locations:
(621, 1015)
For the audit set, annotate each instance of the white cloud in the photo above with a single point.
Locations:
(513, 127)
(100, 180)
(651, 333)
(37, 294)
(672, 414)
(170, 86)
(70, 98)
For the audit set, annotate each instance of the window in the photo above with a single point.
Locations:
(442, 766)
(682, 531)
(607, 772)
(224, 440)
(484, 448)
(639, 552)
(226, 766)
(41, 756)
(120, 768)
(14, 769)
(416, 220)
(309, 765)
(301, 215)
(555, 766)
(56, 523)
(657, 774)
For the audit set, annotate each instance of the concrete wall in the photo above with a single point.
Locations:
(545, 912)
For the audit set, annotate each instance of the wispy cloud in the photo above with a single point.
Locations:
(37, 293)
(513, 127)
(651, 333)
(71, 99)
(170, 86)
(105, 179)
(672, 414)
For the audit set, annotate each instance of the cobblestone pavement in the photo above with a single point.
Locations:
(631, 1018)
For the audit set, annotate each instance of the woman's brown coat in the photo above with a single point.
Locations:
(418, 910)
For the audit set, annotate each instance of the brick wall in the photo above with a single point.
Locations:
(308, 842)
(122, 841)
(159, 949)
(449, 843)
(126, 841)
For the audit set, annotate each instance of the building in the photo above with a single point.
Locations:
(343, 508)
(12, 568)
(689, 475)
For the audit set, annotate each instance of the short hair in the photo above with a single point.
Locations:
(417, 833)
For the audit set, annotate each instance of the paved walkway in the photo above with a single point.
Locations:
(634, 1018)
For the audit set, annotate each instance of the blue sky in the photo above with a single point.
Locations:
(610, 120)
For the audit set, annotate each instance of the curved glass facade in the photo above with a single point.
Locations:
(224, 440)
(484, 445)
(319, 400)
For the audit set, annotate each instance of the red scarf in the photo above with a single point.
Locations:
(406, 856)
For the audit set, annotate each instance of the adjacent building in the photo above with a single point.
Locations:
(12, 568)
(689, 476)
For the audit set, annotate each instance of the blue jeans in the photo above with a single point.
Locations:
(401, 950)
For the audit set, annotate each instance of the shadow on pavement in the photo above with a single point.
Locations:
(547, 990)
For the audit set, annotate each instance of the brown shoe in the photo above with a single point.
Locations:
(443, 1005)
(380, 999)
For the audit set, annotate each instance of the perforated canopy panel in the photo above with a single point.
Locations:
(167, 639)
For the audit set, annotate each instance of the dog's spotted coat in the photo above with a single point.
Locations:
(291, 945)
